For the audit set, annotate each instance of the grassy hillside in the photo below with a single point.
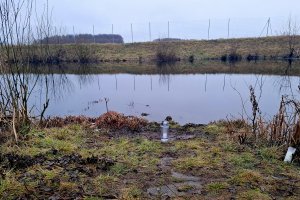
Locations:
(204, 49)
(267, 48)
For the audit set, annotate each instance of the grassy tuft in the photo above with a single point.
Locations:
(245, 160)
(270, 153)
(247, 177)
(214, 129)
(10, 187)
(216, 187)
(131, 193)
(51, 143)
(188, 163)
(118, 169)
(104, 183)
(253, 194)
(196, 144)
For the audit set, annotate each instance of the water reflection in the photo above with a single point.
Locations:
(197, 98)
(284, 83)
(191, 97)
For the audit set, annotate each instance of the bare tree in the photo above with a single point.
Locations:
(18, 31)
(291, 32)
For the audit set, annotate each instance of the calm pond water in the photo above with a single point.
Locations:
(188, 98)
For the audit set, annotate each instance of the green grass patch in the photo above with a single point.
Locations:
(60, 145)
(216, 187)
(269, 153)
(189, 163)
(214, 129)
(196, 144)
(118, 169)
(244, 160)
(228, 146)
(247, 177)
(131, 193)
(104, 183)
(10, 188)
(253, 194)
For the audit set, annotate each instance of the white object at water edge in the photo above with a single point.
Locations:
(165, 130)
(289, 154)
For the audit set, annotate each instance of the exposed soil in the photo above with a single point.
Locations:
(198, 162)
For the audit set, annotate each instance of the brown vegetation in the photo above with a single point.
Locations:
(111, 120)
(116, 120)
(284, 127)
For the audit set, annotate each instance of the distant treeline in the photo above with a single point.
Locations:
(82, 38)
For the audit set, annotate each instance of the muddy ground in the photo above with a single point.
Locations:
(199, 162)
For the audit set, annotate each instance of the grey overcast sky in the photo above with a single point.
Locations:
(248, 17)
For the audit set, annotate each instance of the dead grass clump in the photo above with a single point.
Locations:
(238, 128)
(284, 128)
(114, 120)
(235, 125)
(60, 122)
(247, 177)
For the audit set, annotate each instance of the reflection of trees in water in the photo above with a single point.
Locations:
(285, 82)
(285, 85)
(44, 84)
(48, 87)
(54, 87)
(85, 79)
(61, 85)
(258, 85)
(164, 79)
(164, 71)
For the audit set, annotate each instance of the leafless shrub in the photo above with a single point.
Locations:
(84, 54)
(17, 34)
(238, 128)
(284, 128)
(291, 32)
(165, 54)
